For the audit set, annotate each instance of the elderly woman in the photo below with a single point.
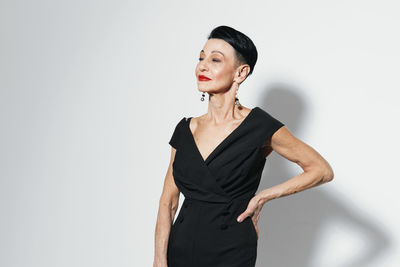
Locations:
(216, 162)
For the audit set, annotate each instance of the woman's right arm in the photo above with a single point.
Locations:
(168, 206)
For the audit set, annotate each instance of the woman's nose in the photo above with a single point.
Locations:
(203, 65)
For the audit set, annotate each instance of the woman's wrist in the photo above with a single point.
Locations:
(265, 196)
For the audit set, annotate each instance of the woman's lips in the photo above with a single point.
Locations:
(203, 78)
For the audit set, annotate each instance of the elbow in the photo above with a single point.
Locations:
(327, 175)
(171, 202)
(174, 205)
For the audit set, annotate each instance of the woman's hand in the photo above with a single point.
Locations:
(253, 210)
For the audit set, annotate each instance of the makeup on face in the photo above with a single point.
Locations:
(203, 78)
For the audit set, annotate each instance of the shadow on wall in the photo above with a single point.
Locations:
(289, 226)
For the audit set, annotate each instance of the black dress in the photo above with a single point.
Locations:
(217, 190)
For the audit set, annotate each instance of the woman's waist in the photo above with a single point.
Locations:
(226, 203)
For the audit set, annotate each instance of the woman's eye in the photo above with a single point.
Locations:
(214, 59)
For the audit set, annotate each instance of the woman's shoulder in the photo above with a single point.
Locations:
(265, 113)
(269, 123)
(179, 123)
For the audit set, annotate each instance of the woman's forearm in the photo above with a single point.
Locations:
(165, 217)
(298, 183)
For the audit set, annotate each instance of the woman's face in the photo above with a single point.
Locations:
(216, 62)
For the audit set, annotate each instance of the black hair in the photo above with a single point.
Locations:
(245, 50)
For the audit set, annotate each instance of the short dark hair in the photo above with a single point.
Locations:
(245, 50)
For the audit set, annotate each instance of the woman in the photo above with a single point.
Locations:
(216, 162)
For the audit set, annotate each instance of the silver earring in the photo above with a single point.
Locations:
(236, 99)
(202, 96)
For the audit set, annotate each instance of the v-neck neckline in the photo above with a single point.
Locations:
(222, 142)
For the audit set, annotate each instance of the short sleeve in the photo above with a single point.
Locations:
(271, 125)
(276, 125)
(175, 138)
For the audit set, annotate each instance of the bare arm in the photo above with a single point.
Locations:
(316, 169)
(168, 206)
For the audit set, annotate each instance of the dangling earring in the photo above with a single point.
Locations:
(202, 96)
(237, 99)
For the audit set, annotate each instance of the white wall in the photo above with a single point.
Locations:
(90, 92)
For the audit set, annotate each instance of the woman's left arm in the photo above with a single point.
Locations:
(316, 169)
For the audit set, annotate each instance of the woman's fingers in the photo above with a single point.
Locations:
(245, 214)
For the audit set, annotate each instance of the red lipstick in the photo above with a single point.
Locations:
(203, 78)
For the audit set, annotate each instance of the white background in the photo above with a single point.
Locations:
(90, 92)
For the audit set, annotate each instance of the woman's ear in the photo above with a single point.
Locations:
(242, 73)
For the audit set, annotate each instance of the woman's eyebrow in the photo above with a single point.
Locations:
(214, 51)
